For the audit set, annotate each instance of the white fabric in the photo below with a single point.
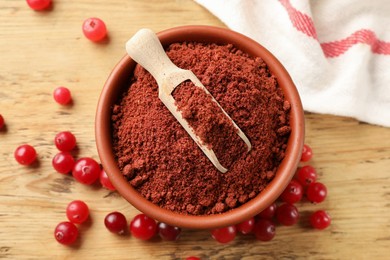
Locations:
(336, 51)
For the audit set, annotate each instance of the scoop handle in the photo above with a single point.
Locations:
(146, 49)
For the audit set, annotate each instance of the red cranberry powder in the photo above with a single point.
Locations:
(215, 129)
(161, 161)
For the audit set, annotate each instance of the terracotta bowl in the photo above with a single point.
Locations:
(118, 81)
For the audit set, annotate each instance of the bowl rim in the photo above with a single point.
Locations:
(286, 169)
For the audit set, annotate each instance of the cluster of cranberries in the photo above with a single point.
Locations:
(85, 170)
(141, 226)
(93, 28)
(263, 226)
(67, 232)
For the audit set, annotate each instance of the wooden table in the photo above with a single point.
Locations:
(42, 50)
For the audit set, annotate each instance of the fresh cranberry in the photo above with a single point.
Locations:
(65, 141)
(77, 211)
(2, 122)
(62, 95)
(116, 222)
(63, 162)
(268, 212)
(94, 29)
(316, 192)
(306, 175)
(39, 5)
(246, 226)
(320, 219)
(307, 153)
(167, 232)
(143, 227)
(105, 181)
(293, 192)
(287, 214)
(264, 230)
(25, 154)
(86, 170)
(66, 233)
(225, 234)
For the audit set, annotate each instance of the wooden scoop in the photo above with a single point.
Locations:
(146, 49)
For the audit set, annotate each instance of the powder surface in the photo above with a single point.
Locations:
(159, 158)
(213, 127)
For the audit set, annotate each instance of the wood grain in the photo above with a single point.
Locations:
(42, 50)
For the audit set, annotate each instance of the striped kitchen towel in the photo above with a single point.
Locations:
(336, 51)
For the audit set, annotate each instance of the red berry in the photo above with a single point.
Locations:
(77, 211)
(307, 153)
(268, 212)
(105, 181)
(116, 222)
(66, 233)
(306, 175)
(63, 162)
(264, 230)
(225, 234)
(293, 192)
(25, 154)
(192, 258)
(39, 5)
(62, 95)
(287, 214)
(86, 170)
(143, 227)
(65, 141)
(94, 29)
(320, 219)
(1, 121)
(316, 192)
(246, 226)
(167, 232)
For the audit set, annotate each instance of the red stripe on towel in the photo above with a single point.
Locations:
(302, 22)
(336, 48)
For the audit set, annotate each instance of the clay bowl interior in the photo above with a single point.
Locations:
(118, 81)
